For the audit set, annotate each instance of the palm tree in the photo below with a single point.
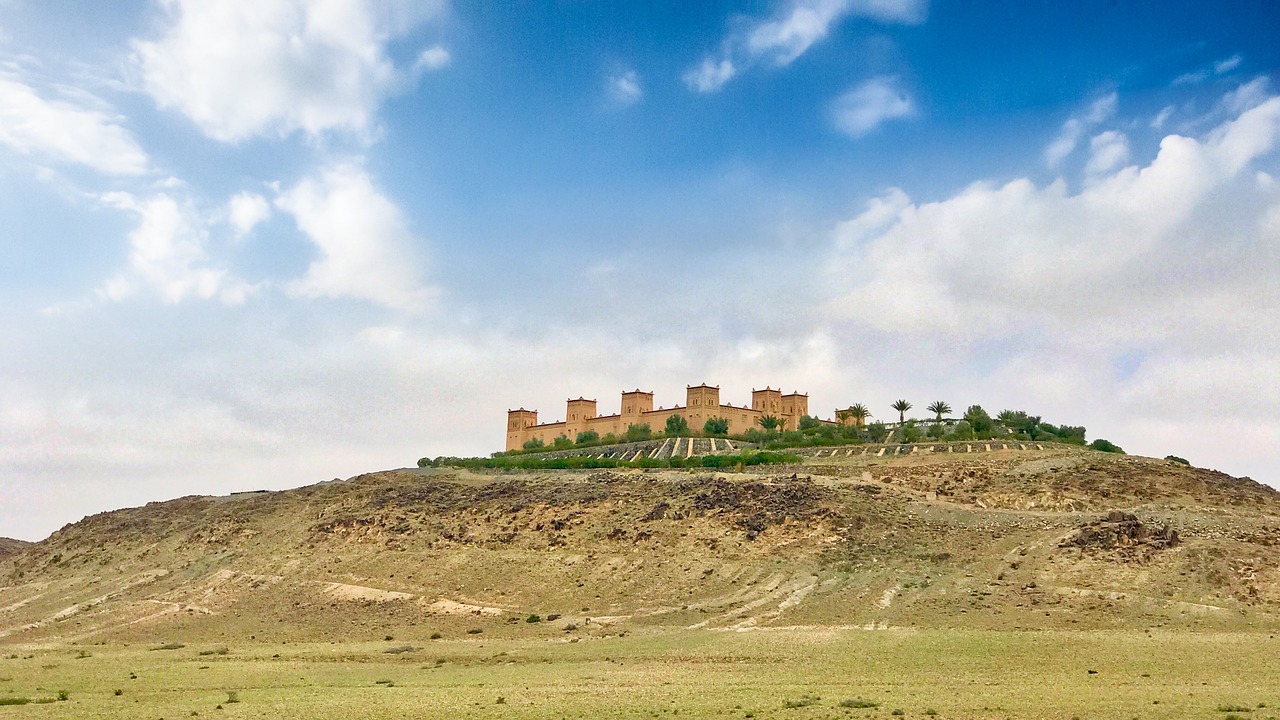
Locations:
(902, 406)
(859, 413)
(939, 408)
(844, 416)
(770, 422)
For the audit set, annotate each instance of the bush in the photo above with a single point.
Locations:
(533, 619)
(424, 462)
(587, 437)
(715, 426)
(810, 424)
(1106, 446)
(562, 442)
(1176, 459)
(636, 433)
(533, 444)
(677, 425)
(858, 703)
(911, 433)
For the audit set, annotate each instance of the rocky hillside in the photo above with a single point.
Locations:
(1017, 538)
(9, 546)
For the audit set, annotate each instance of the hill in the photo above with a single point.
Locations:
(9, 546)
(1036, 537)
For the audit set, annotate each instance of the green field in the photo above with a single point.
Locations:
(784, 673)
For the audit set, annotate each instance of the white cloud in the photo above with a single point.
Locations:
(1173, 253)
(365, 249)
(1218, 67)
(245, 210)
(1074, 128)
(1227, 64)
(710, 75)
(167, 254)
(433, 58)
(625, 89)
(1108, 151)
(1248, 95)
(66, 131)
(861, 109)
(240, 68)
(782, 39)
(1157, 122)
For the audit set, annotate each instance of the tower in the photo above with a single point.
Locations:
(517, 423)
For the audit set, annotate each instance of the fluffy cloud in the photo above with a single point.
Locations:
(245, 210)
(167, 254)
(240, 68)
(1074, 128)
(782, 39)
(1108, 151)
(861, 109)
(65, 131)
(365, 249)
(625, 89)
(433, 58)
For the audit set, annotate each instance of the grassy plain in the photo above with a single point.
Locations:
(776, 673)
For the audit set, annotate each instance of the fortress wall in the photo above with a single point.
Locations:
(703, 403)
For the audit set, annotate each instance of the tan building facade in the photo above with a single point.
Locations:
(702, 402)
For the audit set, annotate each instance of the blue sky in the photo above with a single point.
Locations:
(261, 243)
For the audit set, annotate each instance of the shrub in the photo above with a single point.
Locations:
(715, 426)
(1106, 446)
(810, 424)
(533, 619)
(877, 432)
(636, 433)
(474, 631)
(533, 444)
(858, 703)
(436, 636)
(424, 462)
(587, 437)
(15, 701)
(232, 697)
(1176, 459)
(609, 439)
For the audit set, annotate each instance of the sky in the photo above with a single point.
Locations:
(256, 244)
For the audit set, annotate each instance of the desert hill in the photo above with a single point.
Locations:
(1050, 537)
(9, 546)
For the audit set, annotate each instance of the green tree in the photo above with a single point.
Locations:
(533, 444)
(587, 436)
(978, 419)
(561, 442)
(877, 432)
(609, 439)
(715, 426)
(677, 425)
(902, 406)
(638, 432)
(810, 424)
(770, 422)
(938, 408)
